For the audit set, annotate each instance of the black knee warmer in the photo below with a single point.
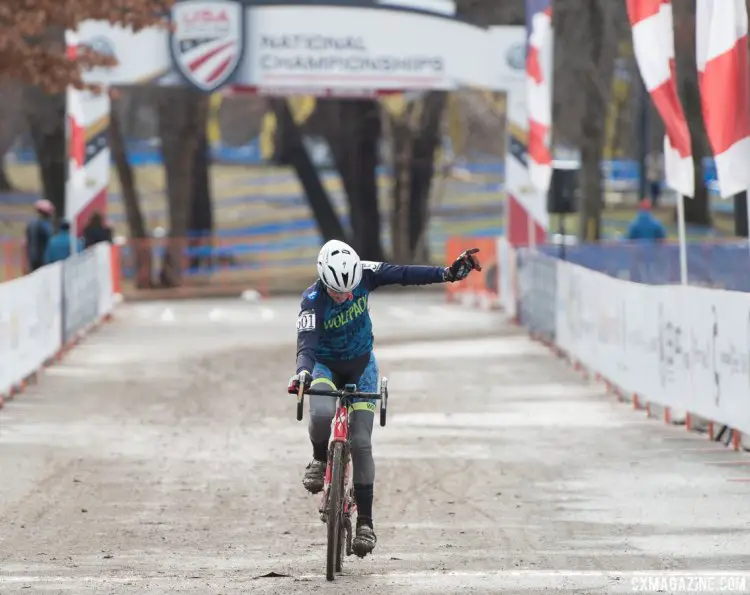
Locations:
(363, 494)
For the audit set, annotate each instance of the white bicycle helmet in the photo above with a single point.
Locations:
(339, 267)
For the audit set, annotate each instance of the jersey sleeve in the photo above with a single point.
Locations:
(309, 322)
(380, 274)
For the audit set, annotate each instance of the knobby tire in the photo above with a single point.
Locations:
(335, 510)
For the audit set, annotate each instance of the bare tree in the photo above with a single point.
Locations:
(353, 133)
(130, 199)
(414, 136)
(587, 33)
(31, 37)
(34, 54)
(183, 113)
(11, 124)
(697, 209)
(291, 150)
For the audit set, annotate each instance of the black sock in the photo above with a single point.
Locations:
(363, 496)
(320, 451)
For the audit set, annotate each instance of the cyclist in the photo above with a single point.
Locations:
(334, 348)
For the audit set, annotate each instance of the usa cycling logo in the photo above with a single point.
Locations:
(207, 41)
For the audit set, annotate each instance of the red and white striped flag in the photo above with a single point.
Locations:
(653, 44)
(724, 80)
(539, 91)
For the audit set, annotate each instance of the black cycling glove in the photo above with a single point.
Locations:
(462, 266)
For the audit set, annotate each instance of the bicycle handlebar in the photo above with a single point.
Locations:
(323, 392)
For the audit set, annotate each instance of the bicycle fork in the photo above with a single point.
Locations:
(340, 433)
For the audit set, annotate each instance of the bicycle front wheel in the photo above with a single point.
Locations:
(335, 509)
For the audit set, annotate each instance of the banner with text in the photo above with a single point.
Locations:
(30, 323)
(682, 347)
(80, 293)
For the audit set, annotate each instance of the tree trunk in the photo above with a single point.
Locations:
(600, 54)
(131, 202)
(402, 142)
(422, 172)
(295, 152)
(697, 209)
(11, 125)
(593, 201)
(182, 115)
(201, 214)
(5, 185)
(46, 118)
(353, 138)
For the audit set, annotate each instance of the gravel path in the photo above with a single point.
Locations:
(163, 456)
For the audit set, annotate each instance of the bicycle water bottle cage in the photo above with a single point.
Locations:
(350, 388)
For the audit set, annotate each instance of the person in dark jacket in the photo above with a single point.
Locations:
(58, 247)
(38, 232)
(646, 227)
(96, 231)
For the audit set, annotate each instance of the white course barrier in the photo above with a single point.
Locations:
(36, 309)
(684, 348)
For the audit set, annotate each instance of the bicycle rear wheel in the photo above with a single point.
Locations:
(335, 510)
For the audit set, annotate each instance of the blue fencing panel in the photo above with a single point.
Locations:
(537, 292)
(724, 265)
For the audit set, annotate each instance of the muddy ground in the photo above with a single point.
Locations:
(163, 456)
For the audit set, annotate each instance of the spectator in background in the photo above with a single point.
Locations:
(38, 232)
(58, 247)
(96, 231)
(646, 227)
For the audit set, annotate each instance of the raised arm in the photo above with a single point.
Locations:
(380, 274)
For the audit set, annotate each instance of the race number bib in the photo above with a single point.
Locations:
(306, 321)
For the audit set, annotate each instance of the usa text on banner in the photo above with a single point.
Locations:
(80, 293)
(724, 80)
(653, 44)
(30, 324)
(686, 348)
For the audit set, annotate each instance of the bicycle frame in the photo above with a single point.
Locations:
(340, 434)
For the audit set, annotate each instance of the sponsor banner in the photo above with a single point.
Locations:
(537, 290)
(216, 43)
(682, 347)
(30, 323)
(80, 293)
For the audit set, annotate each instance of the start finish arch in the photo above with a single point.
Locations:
(324, 48)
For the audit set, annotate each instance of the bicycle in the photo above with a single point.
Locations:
(337, 501)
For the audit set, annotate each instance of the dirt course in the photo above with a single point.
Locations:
(163, 456)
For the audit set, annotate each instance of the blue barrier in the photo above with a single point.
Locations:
(724, 265)
(616, 172)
